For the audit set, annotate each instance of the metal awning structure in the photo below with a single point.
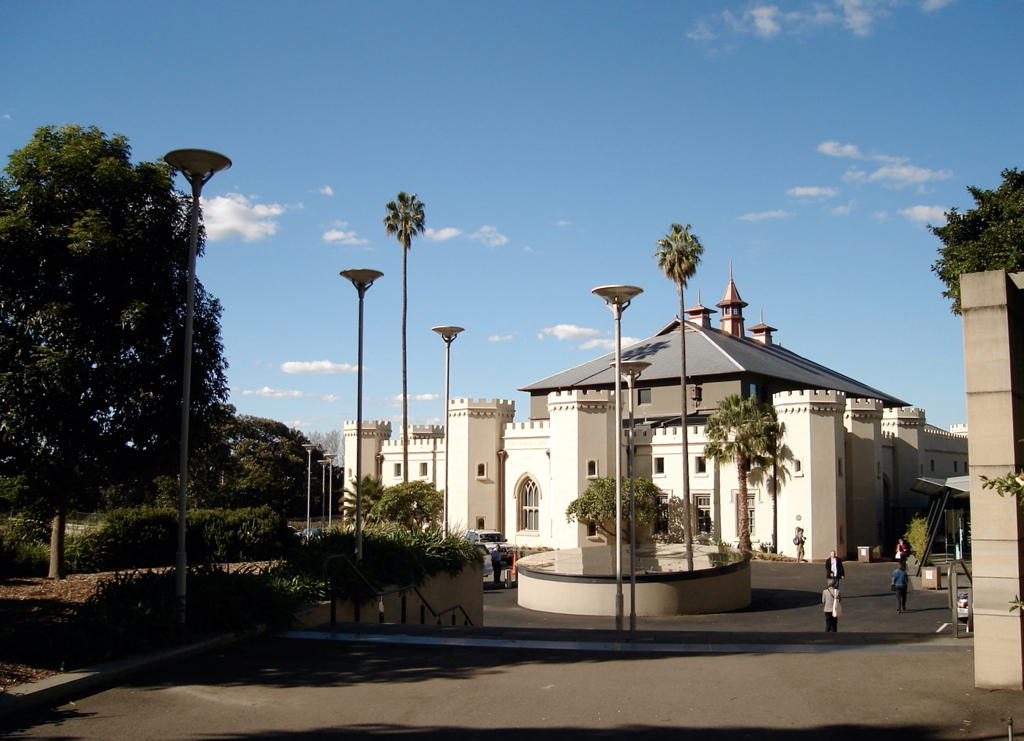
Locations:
(940, 491)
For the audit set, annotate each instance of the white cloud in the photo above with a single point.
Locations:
(317, 367)
(563, 222)
(765, 20)
(900, 176)
(326, 190)
(331, 398)
(858, 15)
(6, 115)
(762, 215)
(925, 214)
(811, 191)
(417, 397)
(490, 236)
(841, 210)
(528, 249)
(835, 149)
(930, 6)
(270, 393)
(442, 235)
(297, 424)
(499, 338)
(339, 234)
(233, 215)
(607, 345)
(702, 32)
(568, 332)
(853, 175)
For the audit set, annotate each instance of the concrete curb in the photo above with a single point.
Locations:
(61, 688)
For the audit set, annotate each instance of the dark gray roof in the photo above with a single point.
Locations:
(712, 353)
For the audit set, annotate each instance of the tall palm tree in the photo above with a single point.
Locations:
(404, 219)
(678, 254)
(738, 431)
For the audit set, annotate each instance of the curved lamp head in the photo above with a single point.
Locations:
(362, 278)
(308, 447)
(329, 457)
(631, 369)
(447, 333)
(617, 295)
(197, 163)
(324, 462)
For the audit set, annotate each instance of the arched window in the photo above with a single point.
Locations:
(529, 506)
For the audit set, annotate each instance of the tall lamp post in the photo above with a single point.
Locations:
(448, 334)
(618, 298)
(631, 370)
(324, 463)
(309, 448)
(362, 279)
(198, 166)
(330, 487)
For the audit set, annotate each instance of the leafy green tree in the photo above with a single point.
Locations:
(987, 237)
(597, 504)
(678, 255)
(93, 274)
(371, 492)
(413, 504)
(258, 462)
(404, 219)
(739, 431)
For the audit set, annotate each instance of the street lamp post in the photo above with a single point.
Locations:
(362, 279)
(618, 298)
(448, 334)
(330, 488)
(631, 370)
(324, 463)
(309, 448)
(198, 166)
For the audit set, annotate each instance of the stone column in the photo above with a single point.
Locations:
(993, 321)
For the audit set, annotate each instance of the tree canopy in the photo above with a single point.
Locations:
(93, 273)
(414, 504)
(597, 504)
(987, 237)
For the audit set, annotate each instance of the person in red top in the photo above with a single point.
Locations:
(902, 551)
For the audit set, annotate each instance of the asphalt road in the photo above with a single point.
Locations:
(870, 682)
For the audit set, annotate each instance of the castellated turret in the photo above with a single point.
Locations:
(814, 494)
(864, 489)
(375, 433)
(475, 478)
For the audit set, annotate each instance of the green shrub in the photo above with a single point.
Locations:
(917, 535)
(147, 537)
(24, 547)
(137, 611)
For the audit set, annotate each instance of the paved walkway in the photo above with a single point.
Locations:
(772, 675)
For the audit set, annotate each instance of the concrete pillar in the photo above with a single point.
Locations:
(993, 322)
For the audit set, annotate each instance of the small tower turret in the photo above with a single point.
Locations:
(732, 309)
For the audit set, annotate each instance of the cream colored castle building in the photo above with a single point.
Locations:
(851, 452)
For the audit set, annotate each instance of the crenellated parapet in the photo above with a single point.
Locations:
(903, 417)
(416, 444)
(580, 400)
(482, 408)
(372, 429)
(805, 401)
(534, 426)
(863, 409)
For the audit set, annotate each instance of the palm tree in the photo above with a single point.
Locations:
(371, 492)
(678, 254)
(776, 454)
(404, 219)
(738, 431)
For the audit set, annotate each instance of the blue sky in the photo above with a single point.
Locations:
(553, 143)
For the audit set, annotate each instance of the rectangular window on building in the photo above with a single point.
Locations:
(954, 466)
(750, 513)
(839, 466)
(932, 462)
(659, 466)
(481, 470)
(700, 464)
(591, 469)
(591, 529)
(423, 469)
(703, 505)
(398, 469)
(661, 523)
(643, 396)
(798, 467)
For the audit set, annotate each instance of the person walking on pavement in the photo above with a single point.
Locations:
(832, 601)
(798, 541)
(834, 567)
(899, 586)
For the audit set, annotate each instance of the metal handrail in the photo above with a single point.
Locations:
(381, 593)
(953, 586)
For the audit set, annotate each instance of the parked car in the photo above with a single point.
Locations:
(492, 540)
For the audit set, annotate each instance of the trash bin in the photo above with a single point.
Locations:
(930, 577)
(864, 554)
